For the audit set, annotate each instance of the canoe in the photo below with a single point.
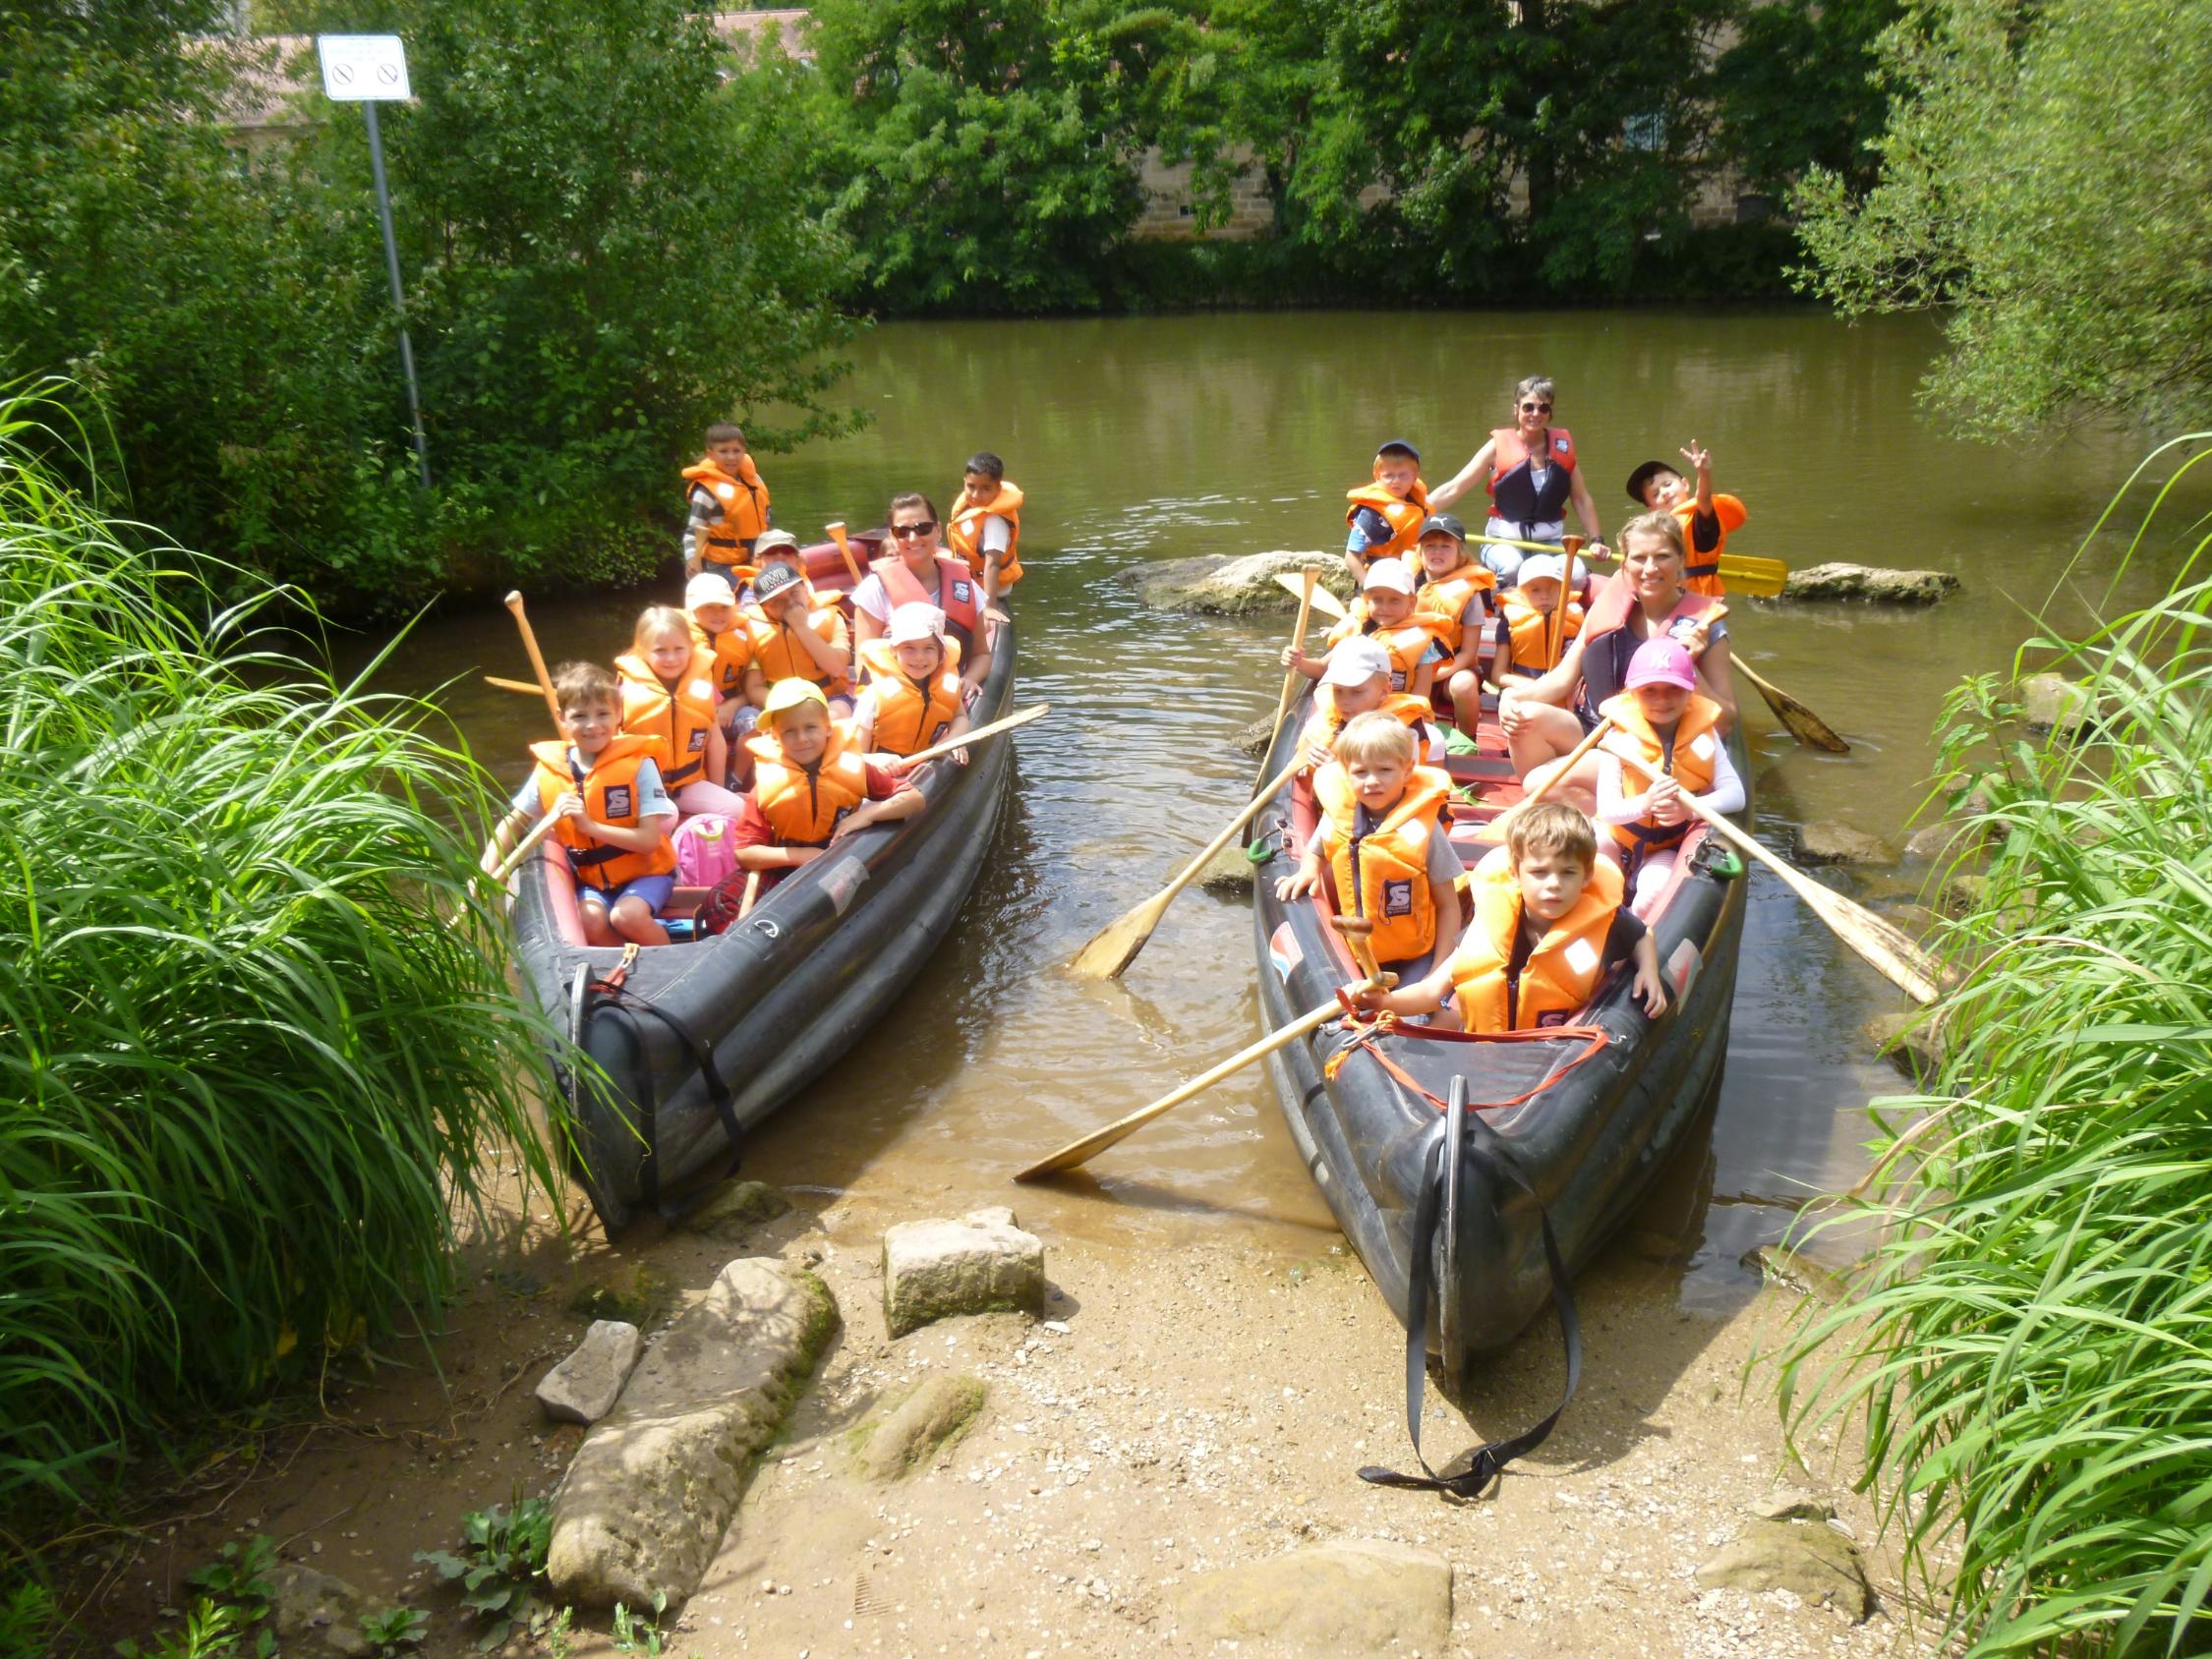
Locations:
(698, 1042)
(1584, 1115)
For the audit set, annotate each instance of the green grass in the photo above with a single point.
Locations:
(247, 1080)
(2029, 1349)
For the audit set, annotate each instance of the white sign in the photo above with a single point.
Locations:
(363, 67)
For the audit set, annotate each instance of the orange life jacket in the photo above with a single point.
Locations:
(1405, 518)
(1407, 644)
(803, 804)
(964, 532)
(675, 722)
(1690, 756)
(957, 594)
(732, 650)
(1322, 726)
(1514, 493)
(1704, 569)
(1555, 982)
(610, 791)
(744, 500)
(1527, 628)
(911, 718)
(1441, 605)
(780, 655)
(1605, 650)
(1383, 875)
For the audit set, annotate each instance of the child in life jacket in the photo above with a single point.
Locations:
(725, 503)
(791, 640)
(1383, 843)
(985, 528)
(1661, 721)
(1530, 641)
(1706, 519)
(811, 786)
(1384, 613)
(719, 630)
(1354, 681)
(669, 700)
(615, 814)
(1548, 928)
(910, 695)
(1384, 517)
(1453, 593)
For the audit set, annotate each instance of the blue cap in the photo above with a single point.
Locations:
(1397, 444)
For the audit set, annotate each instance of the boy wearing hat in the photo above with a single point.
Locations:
(716, 626)
(1530, 641)
(1384, 614)
(811, 786)
(791, 641)
(1354, 681)
(1453, 594)
(1675, 735)
(1706, 518)
(1384, 517)
(910, 696)
(727, 504)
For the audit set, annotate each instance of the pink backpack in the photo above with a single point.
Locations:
(705, 850)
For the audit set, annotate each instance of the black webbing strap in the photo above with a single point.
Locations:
(1485, 1463)
(620, 999)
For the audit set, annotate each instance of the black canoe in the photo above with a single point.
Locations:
(771, 1003)
(1588, 1136)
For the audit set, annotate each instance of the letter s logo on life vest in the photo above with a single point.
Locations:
(1397, 898)
(618, 800)
(961, 593)
(698, 740)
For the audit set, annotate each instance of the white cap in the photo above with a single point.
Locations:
(914, 622)
(1355, 661)
(707, 587)
(1388, 573)
(1541, 566)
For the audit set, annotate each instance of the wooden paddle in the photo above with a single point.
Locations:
(1895, 957)
(1565, 768)
(938, 751)
(1324, 601)
(511, 863)
(1291, 676)
(1114, 947)
(526, 687)
(837, 534)
(537, 660)
(1804, 725)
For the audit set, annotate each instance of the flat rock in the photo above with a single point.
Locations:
(1870, 582)
(734, 1209)
(901, 1435)
(1790, 1503)
(1809, 1559)
(304, 1602)
(1255, 738)
(650, 1491)
(982, 1263)
(1943, 841)
(1825, 841)
(1215, 585)
(1912, 1042)
(1228, 873)
(2053, 702)
(1359, 1595)
(583, 1388)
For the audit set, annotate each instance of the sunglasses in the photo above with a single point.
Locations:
(1535, 408)
(908, 532)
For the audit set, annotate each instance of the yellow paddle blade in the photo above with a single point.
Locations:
(1324, 601)
(1761, 578)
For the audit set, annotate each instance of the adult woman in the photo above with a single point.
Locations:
(918, 570)
(1546, 717)
(1529, 469)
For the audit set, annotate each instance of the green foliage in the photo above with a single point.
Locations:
(502, 1567)
(395, 1627)
(238, 1577)
(245, 1084)
(638, 1632)
(26, 1620)
(2032, 180)
(1798, 90)
(2030, 1347)
(212, 1629)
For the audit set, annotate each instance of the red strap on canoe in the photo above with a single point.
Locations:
(1592, 1039)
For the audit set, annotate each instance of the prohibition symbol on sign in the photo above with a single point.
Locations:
(363, 67)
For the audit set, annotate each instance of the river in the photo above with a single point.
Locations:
(1154, 438)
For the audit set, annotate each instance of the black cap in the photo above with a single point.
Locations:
(1397, 444)
(773, 579)
(1643, 475)
(1446, 525)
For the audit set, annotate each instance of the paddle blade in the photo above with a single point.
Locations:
(1761, 578)
(1115, 946)
(1324, 601)
(1804, 725)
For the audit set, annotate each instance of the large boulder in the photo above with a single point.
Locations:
(583, 1388)
(650, 1491)
(1809, 1559)
(982, 1263)
(1357, 1596)
(1869, 581)
(1216, 585)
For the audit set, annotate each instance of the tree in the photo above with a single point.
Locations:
(2044, 176)
(1798, 91)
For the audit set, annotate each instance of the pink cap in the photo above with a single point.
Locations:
(1662, 661)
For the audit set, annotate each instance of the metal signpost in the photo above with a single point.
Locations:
(369, 70)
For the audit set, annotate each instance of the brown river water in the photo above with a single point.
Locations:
(1155, 439)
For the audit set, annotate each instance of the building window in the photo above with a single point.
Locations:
(1645, 132)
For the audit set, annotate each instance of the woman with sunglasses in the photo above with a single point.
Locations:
(1529, 469)
(914, 570)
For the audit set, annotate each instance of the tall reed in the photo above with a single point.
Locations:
(2029, 1348)
(246, 1079)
